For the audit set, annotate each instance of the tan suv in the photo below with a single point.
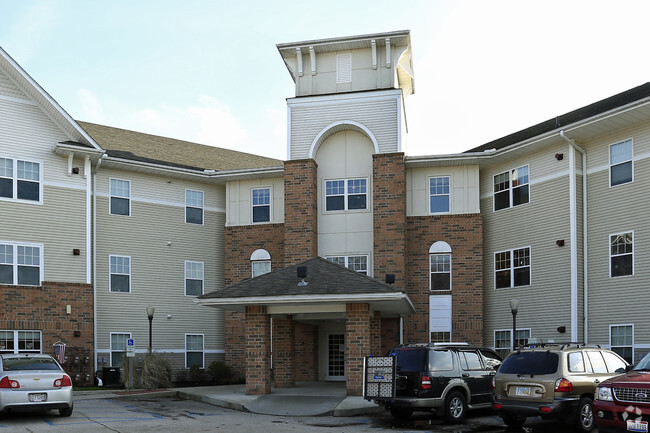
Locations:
(553, 381)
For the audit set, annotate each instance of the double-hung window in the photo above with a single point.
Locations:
(20, 341)
(356, 263)
(503, 340)
(621, 168)
(120, 197)
(511, 188)
(194, 350)
(20, 180)
(440, 266)
(193, 278)
(439, 194)
(118, 347)
(193, 207)
(512, 268)
(120, 273)
(346, 194)
(621, 254)
(21, 264)
(261, 199)
(621, 340)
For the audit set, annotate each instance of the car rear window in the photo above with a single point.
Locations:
(19, 364)
(410, 359)
(530, 363)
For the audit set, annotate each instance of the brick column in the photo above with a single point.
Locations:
(300, 211)
(258, 351)
(357, 345)
(284, 353)
(375, 334)
(389, 215)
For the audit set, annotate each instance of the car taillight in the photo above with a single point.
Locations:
(10, 384)
(426, 382)
(64, 381)
(494, 383)
(563, 385)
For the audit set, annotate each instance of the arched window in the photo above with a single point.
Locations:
(260, 262)
(440, 266)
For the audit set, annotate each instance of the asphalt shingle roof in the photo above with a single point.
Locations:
(324, 278)
(141, 147)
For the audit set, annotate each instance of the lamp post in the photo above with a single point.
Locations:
(150, 311)
(514, 306)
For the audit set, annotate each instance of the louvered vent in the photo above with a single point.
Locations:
(343, 68)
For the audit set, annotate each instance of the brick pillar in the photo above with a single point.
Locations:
(357, 345)
(284, 353)
(389, 215)
(375, 334)
(300, 211)
(258, 351)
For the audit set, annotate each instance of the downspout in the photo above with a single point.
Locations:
(94, 180)
(574, 240)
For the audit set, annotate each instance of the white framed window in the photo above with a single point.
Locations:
(120, 191)
(512, 268)
(261, 200)
(260, 263)
(621, 340)
(503, 340)
(621, 254)
(21, 180)
(12, 341)
(193, 278)
(512, 188)
(621, 165)
(120, 274)
(346, 194)
(194, 350)
(440, 309)
(21, 264)
(356, 263)
(439, 198)
(193, 207)
(118, 347)
(440, 266)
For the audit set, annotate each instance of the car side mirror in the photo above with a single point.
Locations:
(627, 368)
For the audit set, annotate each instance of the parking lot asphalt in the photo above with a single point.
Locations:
(305, 399)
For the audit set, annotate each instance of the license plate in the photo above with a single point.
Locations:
(38, 397)
(522, 391)
(638, 426)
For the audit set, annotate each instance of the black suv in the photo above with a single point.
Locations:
(448, 377)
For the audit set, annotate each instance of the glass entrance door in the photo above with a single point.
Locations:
(336, 357)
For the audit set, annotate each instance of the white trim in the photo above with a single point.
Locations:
(573, 242)
(163, 203)
(89, 214)
(439, 247)
(260, 254)
(298, 299)
(334, 98)
(335, 127)
(609, 253)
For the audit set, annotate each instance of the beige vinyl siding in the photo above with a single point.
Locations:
(238, 195)
(380, 114)
(464, 189)
(538, 225)
(59, 223)
(157, 268)
(619, 209)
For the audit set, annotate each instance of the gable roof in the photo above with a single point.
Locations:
(327, 282)
(140, 147)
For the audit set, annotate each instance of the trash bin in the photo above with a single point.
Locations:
(111, 376)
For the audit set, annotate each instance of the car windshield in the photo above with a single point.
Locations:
(644, 364)
(532, 363)
(20, 364)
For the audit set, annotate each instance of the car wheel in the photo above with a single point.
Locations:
(514, 421)
(66, 412)
(455, 407)
(401, 412)
(585, 415)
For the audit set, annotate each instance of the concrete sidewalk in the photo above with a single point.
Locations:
(305, 399)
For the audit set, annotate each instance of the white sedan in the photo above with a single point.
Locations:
(34, 382)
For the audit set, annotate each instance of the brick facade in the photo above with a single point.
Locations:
(358, 343)
(44, 308)
(258, 351)
(284, 342)
(464, 233)
(300, 211)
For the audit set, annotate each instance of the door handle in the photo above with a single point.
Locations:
(465, 374)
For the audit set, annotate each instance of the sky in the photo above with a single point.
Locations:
(208, 71)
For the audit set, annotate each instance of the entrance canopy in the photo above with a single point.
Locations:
(325, 290)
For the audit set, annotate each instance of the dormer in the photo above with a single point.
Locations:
(350, 64)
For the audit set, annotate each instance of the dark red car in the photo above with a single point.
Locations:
(622, 403)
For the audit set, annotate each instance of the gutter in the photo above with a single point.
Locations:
(94, 252)
(574, 239)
